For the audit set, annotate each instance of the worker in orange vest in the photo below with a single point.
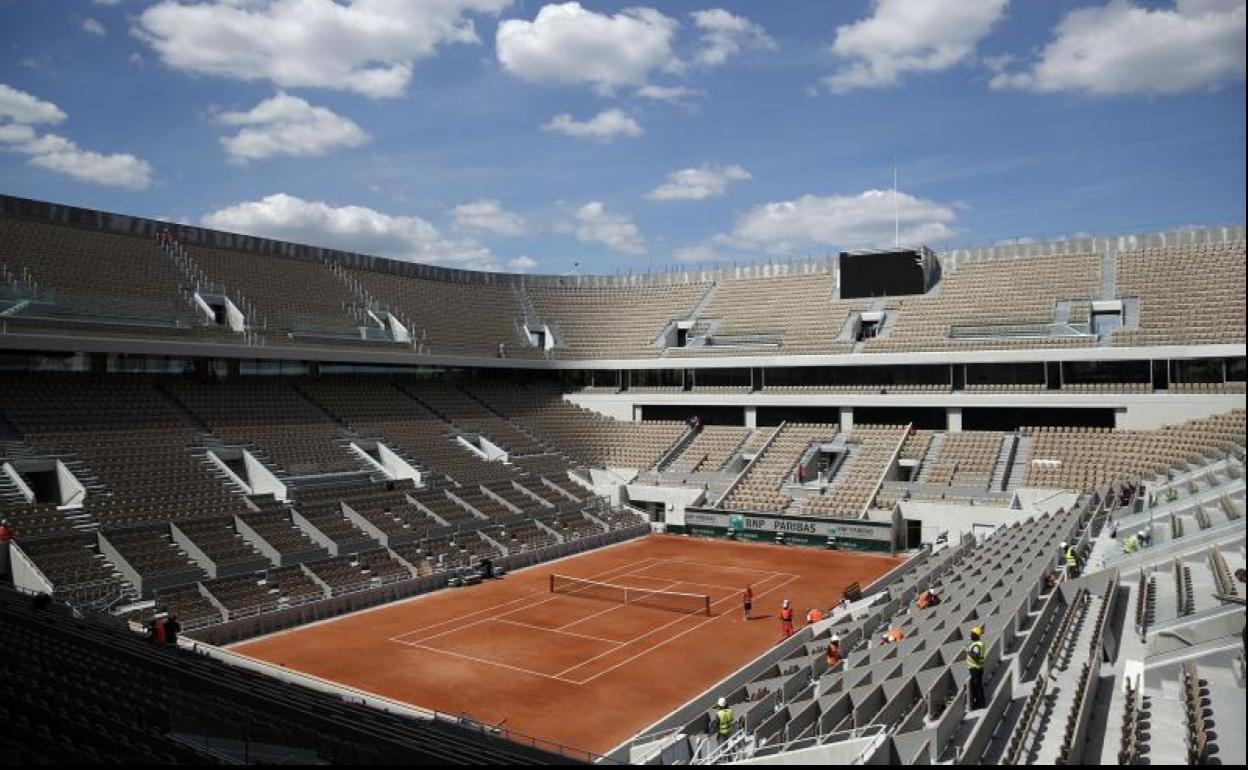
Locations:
(834, 651)
(893, 636)
(786, 620)
(813, 615)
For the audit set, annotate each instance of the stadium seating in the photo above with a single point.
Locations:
(614, 322)
(130, 286)
(92, 691)
(1188, 294)
(997, 293)
(82, 277)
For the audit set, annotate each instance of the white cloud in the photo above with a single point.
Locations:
(489, 215)
(700, 252)
(570, 45)
(21, 107)
(287, 125)
(595, 225)
(904, 36)
(724, 35)
(94, 27)
(116, 170)
(366, 46)
(351, 228)
(845, 221)
(1121, 48)
(665, 93)
(606, 126)
(522, 264)
(695, 184)
(19, 111)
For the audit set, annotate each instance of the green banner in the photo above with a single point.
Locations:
(821, 532)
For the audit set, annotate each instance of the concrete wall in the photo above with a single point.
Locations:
(262, 480)
(26, 575)
(72, 490)
(673, 499)
(958, 519)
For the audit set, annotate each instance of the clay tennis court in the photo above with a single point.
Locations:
(578, 668)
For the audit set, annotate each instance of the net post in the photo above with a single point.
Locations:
(552, 582)
(708, 605)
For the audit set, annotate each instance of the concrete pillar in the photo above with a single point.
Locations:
(847, 419)
(1122, 419)
(953, 421)
(751, 417)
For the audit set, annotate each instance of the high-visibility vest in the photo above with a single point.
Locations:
(1072, 559)
(1130, 544)
(975, 656)
(724, 716)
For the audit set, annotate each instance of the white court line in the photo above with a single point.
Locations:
(559, 630)
(734, 569)
(665, 642)
(526, 598)
(475, 659)
(487, 619)
(653, 631)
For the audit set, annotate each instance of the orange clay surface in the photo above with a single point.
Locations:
(586, 673)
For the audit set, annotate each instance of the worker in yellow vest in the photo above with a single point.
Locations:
(975, 658)
(1131, 544)
(723, 720)
(1072, 560)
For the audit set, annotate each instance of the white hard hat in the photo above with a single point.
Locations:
(836, 638)
(786, 602)
(1063, 544)
(933, 590)
(723, 702)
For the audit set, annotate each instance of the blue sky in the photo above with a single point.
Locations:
(533, 136)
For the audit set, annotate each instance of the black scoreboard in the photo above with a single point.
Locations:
(888, 272)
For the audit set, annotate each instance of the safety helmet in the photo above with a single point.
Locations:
(933, 590)
(723, 702)
(786, 602)
(977, 631)
(836, 638)
(1063, 545)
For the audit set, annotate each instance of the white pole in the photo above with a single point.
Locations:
(896, 211)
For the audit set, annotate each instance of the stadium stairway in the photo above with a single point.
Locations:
(1022, 460)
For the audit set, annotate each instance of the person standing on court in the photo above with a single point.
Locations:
(786, 620)
(747, 601)
(975, 658)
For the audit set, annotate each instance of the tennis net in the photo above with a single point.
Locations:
(674, 601)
